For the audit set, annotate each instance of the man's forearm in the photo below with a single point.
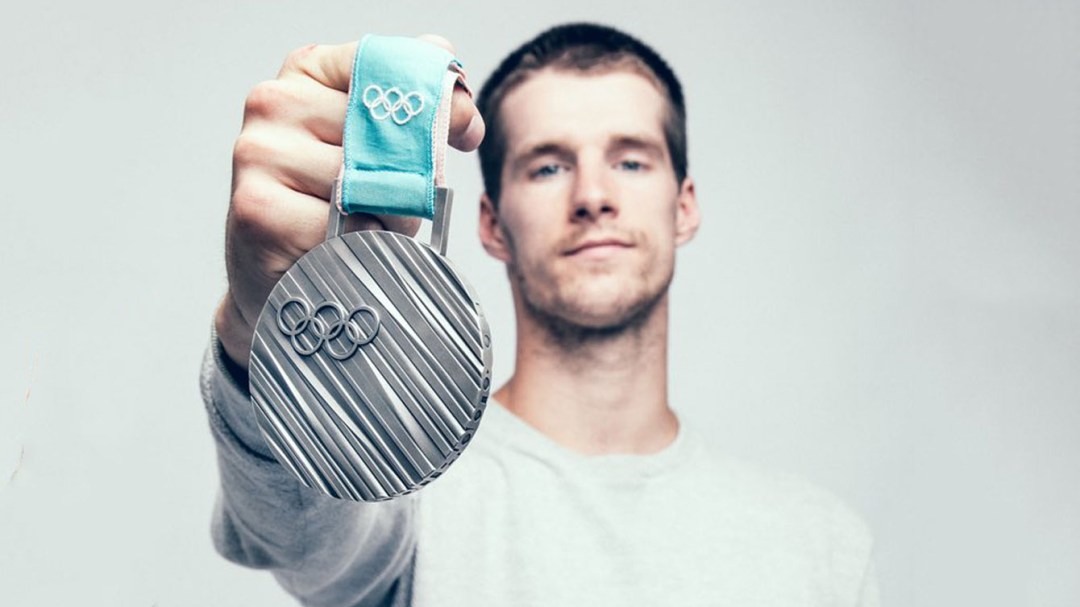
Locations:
(322, 550)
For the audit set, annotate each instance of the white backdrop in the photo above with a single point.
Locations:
(884, 295)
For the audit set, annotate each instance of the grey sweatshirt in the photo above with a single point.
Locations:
(520, 520)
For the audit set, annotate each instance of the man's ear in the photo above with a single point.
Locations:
(687, 214)
(491, 232)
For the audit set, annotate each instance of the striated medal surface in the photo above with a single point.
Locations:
(370, 366)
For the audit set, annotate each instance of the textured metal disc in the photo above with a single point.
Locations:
(370, 367)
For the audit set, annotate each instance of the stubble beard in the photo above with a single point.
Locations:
(570, 326)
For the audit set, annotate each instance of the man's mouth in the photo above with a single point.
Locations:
(598, 247)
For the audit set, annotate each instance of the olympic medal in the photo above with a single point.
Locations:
(370, 366)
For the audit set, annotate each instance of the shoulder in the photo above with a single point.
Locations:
(792, 499)
(784, 513)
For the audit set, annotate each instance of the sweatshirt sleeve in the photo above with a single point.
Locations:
(322, 550)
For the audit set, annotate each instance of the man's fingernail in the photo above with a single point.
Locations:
(463, 84)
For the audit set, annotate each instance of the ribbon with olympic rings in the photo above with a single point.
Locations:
(396, 126)
(324, 331)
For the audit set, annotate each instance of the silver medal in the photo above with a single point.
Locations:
(371, 362)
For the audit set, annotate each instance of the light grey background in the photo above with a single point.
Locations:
(884, 295)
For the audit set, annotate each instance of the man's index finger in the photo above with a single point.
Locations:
(328, 64)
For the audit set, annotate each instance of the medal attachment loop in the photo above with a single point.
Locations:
(440, 222)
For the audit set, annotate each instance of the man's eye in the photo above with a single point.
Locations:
(546, 171)
(631, 165)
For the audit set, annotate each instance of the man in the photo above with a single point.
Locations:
(582, 486)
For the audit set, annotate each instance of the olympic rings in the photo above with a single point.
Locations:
(326, 325)
(392, 103)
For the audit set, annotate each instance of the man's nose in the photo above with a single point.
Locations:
(592, 197)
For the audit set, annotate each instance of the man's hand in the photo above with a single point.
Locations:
(284, 165)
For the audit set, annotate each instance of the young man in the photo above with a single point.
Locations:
(582, 486)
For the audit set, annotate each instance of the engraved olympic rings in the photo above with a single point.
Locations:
(327, 324)
(392, 103)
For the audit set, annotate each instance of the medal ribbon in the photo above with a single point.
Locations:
(396, 126)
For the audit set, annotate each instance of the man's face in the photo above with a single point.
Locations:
(590, 211)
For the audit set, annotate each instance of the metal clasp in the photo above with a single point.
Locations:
(440, 223)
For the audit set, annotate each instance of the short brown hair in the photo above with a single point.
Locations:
(583, 47)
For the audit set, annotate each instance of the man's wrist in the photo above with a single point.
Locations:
(235, 334)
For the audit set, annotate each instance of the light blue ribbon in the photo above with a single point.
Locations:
(394, 100)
